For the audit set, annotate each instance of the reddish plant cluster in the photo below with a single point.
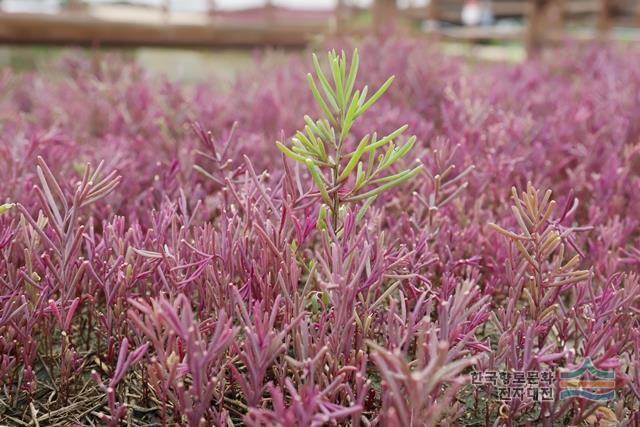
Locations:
(186, 278)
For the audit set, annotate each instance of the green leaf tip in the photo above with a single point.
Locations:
(6, 207)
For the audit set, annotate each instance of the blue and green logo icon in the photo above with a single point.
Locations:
(597, 385)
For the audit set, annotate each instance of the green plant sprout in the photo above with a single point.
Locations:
(6, 207)
(321, 145)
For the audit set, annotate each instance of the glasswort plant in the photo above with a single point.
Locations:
(195, 279)
(322, 146)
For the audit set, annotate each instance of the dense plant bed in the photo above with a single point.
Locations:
(195, 275)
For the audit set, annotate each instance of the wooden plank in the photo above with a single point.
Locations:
(70, 28)
(478, 34)
(385, 13)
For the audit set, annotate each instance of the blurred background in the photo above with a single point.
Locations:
(194, 39)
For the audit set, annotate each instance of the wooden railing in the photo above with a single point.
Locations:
(80, 23)
(268, 26)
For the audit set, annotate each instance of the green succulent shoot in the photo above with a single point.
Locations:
(320, 146)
